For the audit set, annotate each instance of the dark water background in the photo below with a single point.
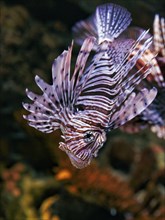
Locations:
(37, 181)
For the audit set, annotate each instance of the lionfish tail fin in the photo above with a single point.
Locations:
(107, 23)
(133, 106)
(112, 20)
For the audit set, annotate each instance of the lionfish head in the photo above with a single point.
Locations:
(82, 141)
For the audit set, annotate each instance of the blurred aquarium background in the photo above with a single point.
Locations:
(37, 181)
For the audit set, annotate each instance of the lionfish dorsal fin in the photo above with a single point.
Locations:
(159, 34)
(80, 65)
(82, 71)
(120, 48)
(156, 73)
(149, 54)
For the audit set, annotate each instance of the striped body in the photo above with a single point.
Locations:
(97, 97)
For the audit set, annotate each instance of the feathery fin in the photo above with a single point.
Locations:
(106, 24)
(133, 106)
(53, 108)
(112, 20)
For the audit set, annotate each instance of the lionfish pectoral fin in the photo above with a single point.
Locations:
(41, 118)
(133, 106)
(61, 77)
(47, 110)
(44, 111)
(42, 122)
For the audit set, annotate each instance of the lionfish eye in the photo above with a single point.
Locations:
(89, 136)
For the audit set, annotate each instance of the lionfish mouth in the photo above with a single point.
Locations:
(76, 161)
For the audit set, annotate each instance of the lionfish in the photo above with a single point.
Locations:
(98, 96)
(153, 116)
